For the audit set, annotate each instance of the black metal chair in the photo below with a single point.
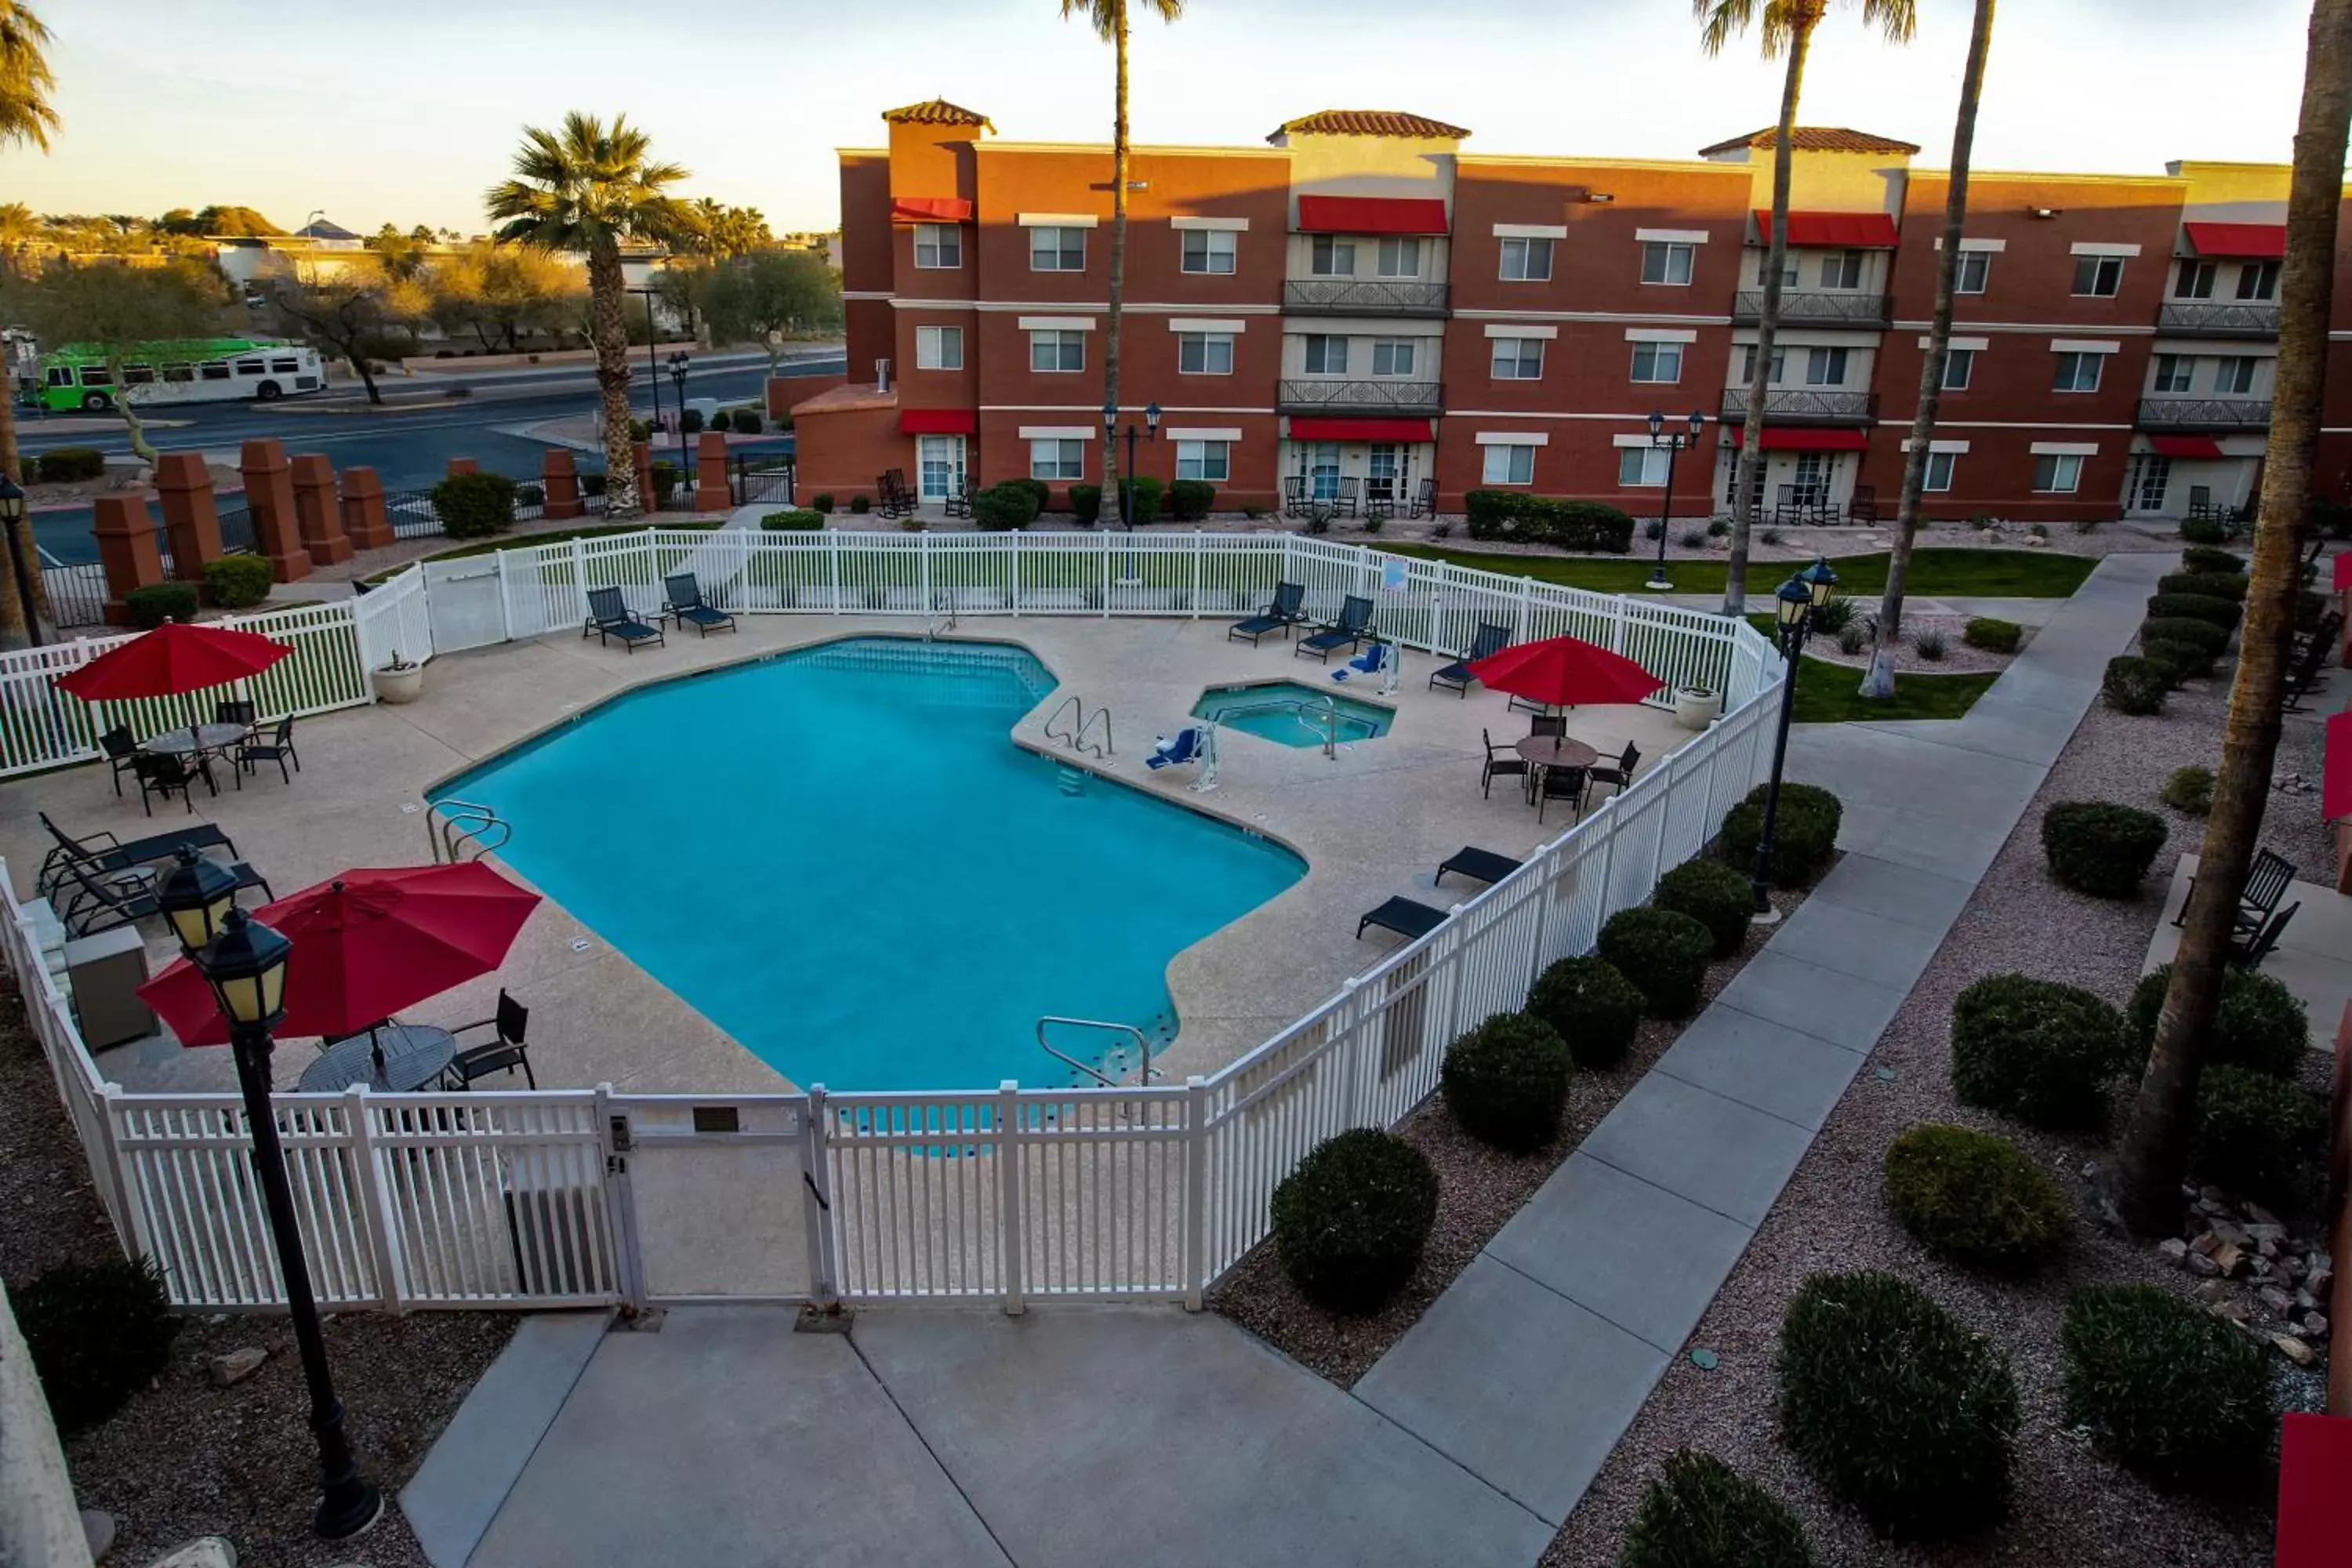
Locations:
(1380, 504)
(505, 1052)
(102, 852)
(279, 749)
(162, 774)
(1863, 506)
(682, 597)
(2201, 504)
(1784, 506)
(959, 499)
(123, 754)
(1424, 499)
(2267, 881)
(1294, 496)
(609, 617)
(1619, 773)
(1491, 639)
(2250, 953)
(1501, 762)
(1552, 725)
(2310, 662)
(1345, 503)
(1354, 625)
(1556, 783)
(240, 713)
(96, 901)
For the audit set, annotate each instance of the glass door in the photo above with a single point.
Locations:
(939, 467)
(1813, 479)
(2150, 476)
(1385, 477)
(1318, 463)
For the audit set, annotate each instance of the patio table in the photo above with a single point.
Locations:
(414, 1055)
(1557, 752)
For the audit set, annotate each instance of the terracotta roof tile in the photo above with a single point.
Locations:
(1370, 123)
(937, 112)
(1814, 139)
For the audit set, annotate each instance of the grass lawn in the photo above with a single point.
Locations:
(1825, 691)
(1939, 573)
(532, 540)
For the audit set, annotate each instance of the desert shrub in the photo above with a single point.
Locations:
(2214, 585)
(64, 465)
(1694, 538)
(1003, 505)
(1318, 519)
(1836, 616)
(1349, 1223)
(2180, 661)
(2203, 531)
(2100, 847)
(1928, 642)
(1766, 536)
(99, 1333)
(691, 422)
(2135, 685)
(1699, 1512)
(2190, 790)
(1591, 1007)
(861, 505)
(2200, 634)
(746, 421)
(822, 502)
(1896, 1407)
(2203, 558)
(1975, 1199)
(152, 605)
(2165, 1387)
(1851, 640)
(1190, 500)
(1086, 504)
(2039, 1050)
(2258, 1135)
(1039, 490)
(1506, 1082)
(2222, 612)
(1713, 894)
(237, 582)
(1992, 633)
(1719, 528)
(1662, 953)
(1803, 840)
(639, 429)
(792, 517)
(1516, 519)
(2258, 1025)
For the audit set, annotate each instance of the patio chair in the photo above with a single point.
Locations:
(2201, 503)
(95, 902)
(683, 596)
(960, 500)
(1784, 505)
(2304, 676)
(1294, 496)
(240, 713)
(102, 852)
(1501, 761)
(1379, 505)
(1619, 773)
(122, 749)
(279, 749)
(1561, 783)
(1863, 507)
(1424, 499)
(1554, 724)
(2249, 953)
(1405, 917)
(1478, 865)
(505, 1052)
(608, 617)
(162, 775)
(1287, 610)
(1345, 503)
(1354, 625)
(1491, 639)
(2267, 881)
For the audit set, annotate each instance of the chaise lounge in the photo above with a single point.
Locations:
(1354, 625)
(609, 617)
(1408, 919)
(684, 600)
(1491, 640)
(1285, 612)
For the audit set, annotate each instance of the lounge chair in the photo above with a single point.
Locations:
(1354, 625)
(1408, 919)
(96, 903)
(1491, 640)
(1478, 865)
(505, 1052)
(684, 601)
(102, 853)
(1286, 611)
(608, 617)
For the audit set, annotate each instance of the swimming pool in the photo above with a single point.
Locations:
(1292, 713)
(840, 857)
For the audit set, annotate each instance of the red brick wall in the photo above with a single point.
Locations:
(843, 451)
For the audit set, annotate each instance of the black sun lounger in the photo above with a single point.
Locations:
(608, 617)
(1405, 917)
(1282, 614)
(1478, 865)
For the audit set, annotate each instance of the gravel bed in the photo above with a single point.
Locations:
(1959, 658)
(2072, 1506)
(1479, 1188)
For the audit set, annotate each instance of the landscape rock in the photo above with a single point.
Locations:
(2228, 1259)
(2174, 1250)
(2261, 1215)
(2232, 1309)
(2306, 1301)
(234, 1366)
(2211, 1208)
(2294, 1349)
(2211, 1291)
(2315, 1325)
(2214, 1195)
(2271, 1231)
(206, 1552)
(2321, 1276)
(2204, 1268)
(2235, 1236)
(2275, 1300)
(2205, 1244)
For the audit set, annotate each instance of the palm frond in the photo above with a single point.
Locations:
(1895, 19)
(1106, 16)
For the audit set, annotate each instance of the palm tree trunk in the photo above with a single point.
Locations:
(1879, 681)
(2155, 1139)
(1767, 326)
(1111, 511)
(605, 286)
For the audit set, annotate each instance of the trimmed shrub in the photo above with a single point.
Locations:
(1662, 953)
(639, 429)
(2202, 558)
(152, 605)
(1086, 504)
(822, 502)
(2260, 1025)
(1851, 640)
(665, 482)
(2222, 612)
(2100, 847)
(1351, 1221)
(2180, 661)
(2037, 1050)
(529, 495)
(1190, 500)
(2190, 790)
(1038, 490)
(1516, 519)
(1005, 506)
(2204, 531)
(860, 505)
(2214, 585)
(237, 582)
(1803, 840)
(1992, 633)
(99, 1333)
(65, 465)
(1929, 644)
(691, 422)
(792, 517)
(2135, 685)
(1592, 1007)
(2165, 1387)
(1701, 1513)
(2200, 634)
(2258, 1135)
(1974, 1199)
(1713, 894)
(1145, 492)
(475, 506)
(1506, 1082)
(1836, 616)
(1896, 1407)
(746, 421)
(591, 484)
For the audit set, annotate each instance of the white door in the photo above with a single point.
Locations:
(939, 467)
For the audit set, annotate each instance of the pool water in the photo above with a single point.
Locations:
(840, 857)
(1292, 713)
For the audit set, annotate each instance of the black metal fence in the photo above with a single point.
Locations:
(770, 479)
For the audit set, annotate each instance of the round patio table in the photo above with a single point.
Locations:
(1557, 752)
(414, 1056)
(182, 742)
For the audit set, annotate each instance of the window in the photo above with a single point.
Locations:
(1826, 367)
(1513, 464)
(286, 366)
(1057, 351)
(2195, 280)
(1842, 270)
(140, 374)
(1976, 270)
(1960, 367)
(1764, 267)
(1057, 459)
(1400, 258)
(939, 246)
(217, 369)
(1208, 250)
(938, 348)
(1518, 359)
(2098, 275)
(1638, 466)
(1664, 261)
(1658, 361)
(1332, 256)
(1748, 366)
(1057, 250)
(2057, 473)
(98, 376)
(1204, 353)
(1392, 356)
(2233, 374)
(2174, 372)
(248, 367)
(1939, 471)
(2078, 372)
(180, 373)
(62, 374)
(1527, 260)
(1210, 460)
(2258, 280)
(1325, 355)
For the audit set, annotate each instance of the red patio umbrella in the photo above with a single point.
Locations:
(365, 944)
(1565, 671)
(2335, 769)
(173, 659)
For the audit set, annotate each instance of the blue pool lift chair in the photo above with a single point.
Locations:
(1287, 610)
(684, 601)
(1185, 747)
(609, 617)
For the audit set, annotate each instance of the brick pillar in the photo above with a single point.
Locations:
(126, 546)
(184, 486)
(269, 497)
(319, 510)
(562, 483)
(644, 454)
(710, 488)
(364, 523)
(458, 466)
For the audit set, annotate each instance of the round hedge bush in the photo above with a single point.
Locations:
(2185, 628)
(151, 607)
(2222, 612)
(1351, 1221)
(2258, 1135)
(1992, 633)
(1804, 836)
(1592, 1007)
(2204, 530)
(1975, 1199)
(2205, 558)
(1506, 1082)
(2037, 1050)
(2189, 790)
(2219, 584)
(1699, 1512)
(2260, 1023)
(1896, 1407)
(99, 1333)
(2100, 847)
(1664, 953)
(237, 582)
(2165, 1387)
(2135, 685)
(1714, 894)
(2180, 660)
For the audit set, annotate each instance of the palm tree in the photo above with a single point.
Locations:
(25, 79)
(586, 189)
(1879, 681)
(1109, 19)
(1784, 26)
(2156, 1138)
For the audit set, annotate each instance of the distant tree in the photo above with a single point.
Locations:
(685, 289)
(717, 229)
(348, 310)
(19, 231)
(235, 222)
(179, 220)
(504, 292)
(124, 315)
(402, 255)
(24, 80)
(421, 234)
(770, 295)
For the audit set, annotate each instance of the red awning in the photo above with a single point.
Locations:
(2184, 446)
(1788, 441)
(929, 209)
(2335, 767)
(1861, 231)
(1303, 429)
(938, 422)
(1370, 214)
(2256, 239)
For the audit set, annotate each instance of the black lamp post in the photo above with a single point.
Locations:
(244, 961)
(1795, 603)
(653, 364)
(1110, 432)
(1673, 443)
(678, 364)
(12, 517)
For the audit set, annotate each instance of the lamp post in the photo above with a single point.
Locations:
(652, 364)
(12, 517)
(678, 364)
(1672, 445)
(1794, 604)
(244, 961)
(1110, 432)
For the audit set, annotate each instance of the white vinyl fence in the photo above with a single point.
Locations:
(567, 1197)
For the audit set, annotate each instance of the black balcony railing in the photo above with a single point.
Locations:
(2204, 413)
(1364, 296)
(2220, 319)
(1381, 395)
(1805, 405)
(1827, 310)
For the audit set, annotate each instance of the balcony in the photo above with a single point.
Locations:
(2208, 414)
(1382, 396)
(2215, 318)
(1842, 308)
(1363, 297)
(1804, 405)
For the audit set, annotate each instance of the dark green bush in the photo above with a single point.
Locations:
(2041, 1051)
(1143, 490)
(2258, 1135)
(2222, 612)
(1506, 1080)
(1896, 1407)
(2203, 558)
(1349, 1223)
(639, 429)
(822, 502)
(1591, 1007)
(2135, 685)
(1833, 617)
(1005, 506)
(1974, 1199)
(1993, 634)
(691, 421)
(2180, 660)
(746, 422)
(2260, 1023)
(591, 484)
(1517, 519)
(1190, 500)
(2198, 634)
(2190, 790)
(529, 495)
(2214, 585)
(1701, 1513)
(1804, 837)
(2165, 1387)
(237, 582)
(792, 517)
(1086, 504)
(2203, 531)
(152, 605)
(2100, 847)
(1662, 953)
(99, 1333)
(1039, 491)
(1714, 894)
(861, 505)
(64, 465)
(665, 482)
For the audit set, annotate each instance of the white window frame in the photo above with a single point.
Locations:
(1060, 341)
(1500, 459)
(1057, 241)
(1666, 364)
(2064, 470)
(1938, 474)
(1402, 354)
(1197, 459)
(1839, 266)
(2174, 372)
(2235, 375)
(1393, 246)
(2094, 270)
(1777, 376)
(1066, 461)
(1666, 253)
(1974, 271)
(1324, 345)
(1963, 361)
(1819, 359)
(938, 348)
(2258, 280)
(1327, 252)
(1641, 467)
(2193, 271)
(1204, 349)
(945, 242)
(1509, 358)
(1213, 245)
(2077, 360)
(1533, 259)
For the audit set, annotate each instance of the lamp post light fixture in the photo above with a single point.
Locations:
(1673, 443)
(1126, 508)
(1794, 604)
(12, 519)
(652, 364)
(244, 961)
(678, 366)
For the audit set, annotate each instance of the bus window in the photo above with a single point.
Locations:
(215, 370)
(248, 367)
(96, 375)
(62, 375)
(285, 367)
(179, 373)
(138, 375)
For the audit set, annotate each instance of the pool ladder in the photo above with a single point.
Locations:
(1326, 716)
(1142, 1046)
(1082, 724)
(462, 830)
(942, 601)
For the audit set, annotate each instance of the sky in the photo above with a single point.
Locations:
(406, 112)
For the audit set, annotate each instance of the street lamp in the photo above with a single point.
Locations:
(12, 517)
(1794, 604)
(1110, 432)
(1672, 445)
(653, 363)
(244, 961)
(678, 364)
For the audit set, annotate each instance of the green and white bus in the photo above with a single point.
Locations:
(199, 370)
